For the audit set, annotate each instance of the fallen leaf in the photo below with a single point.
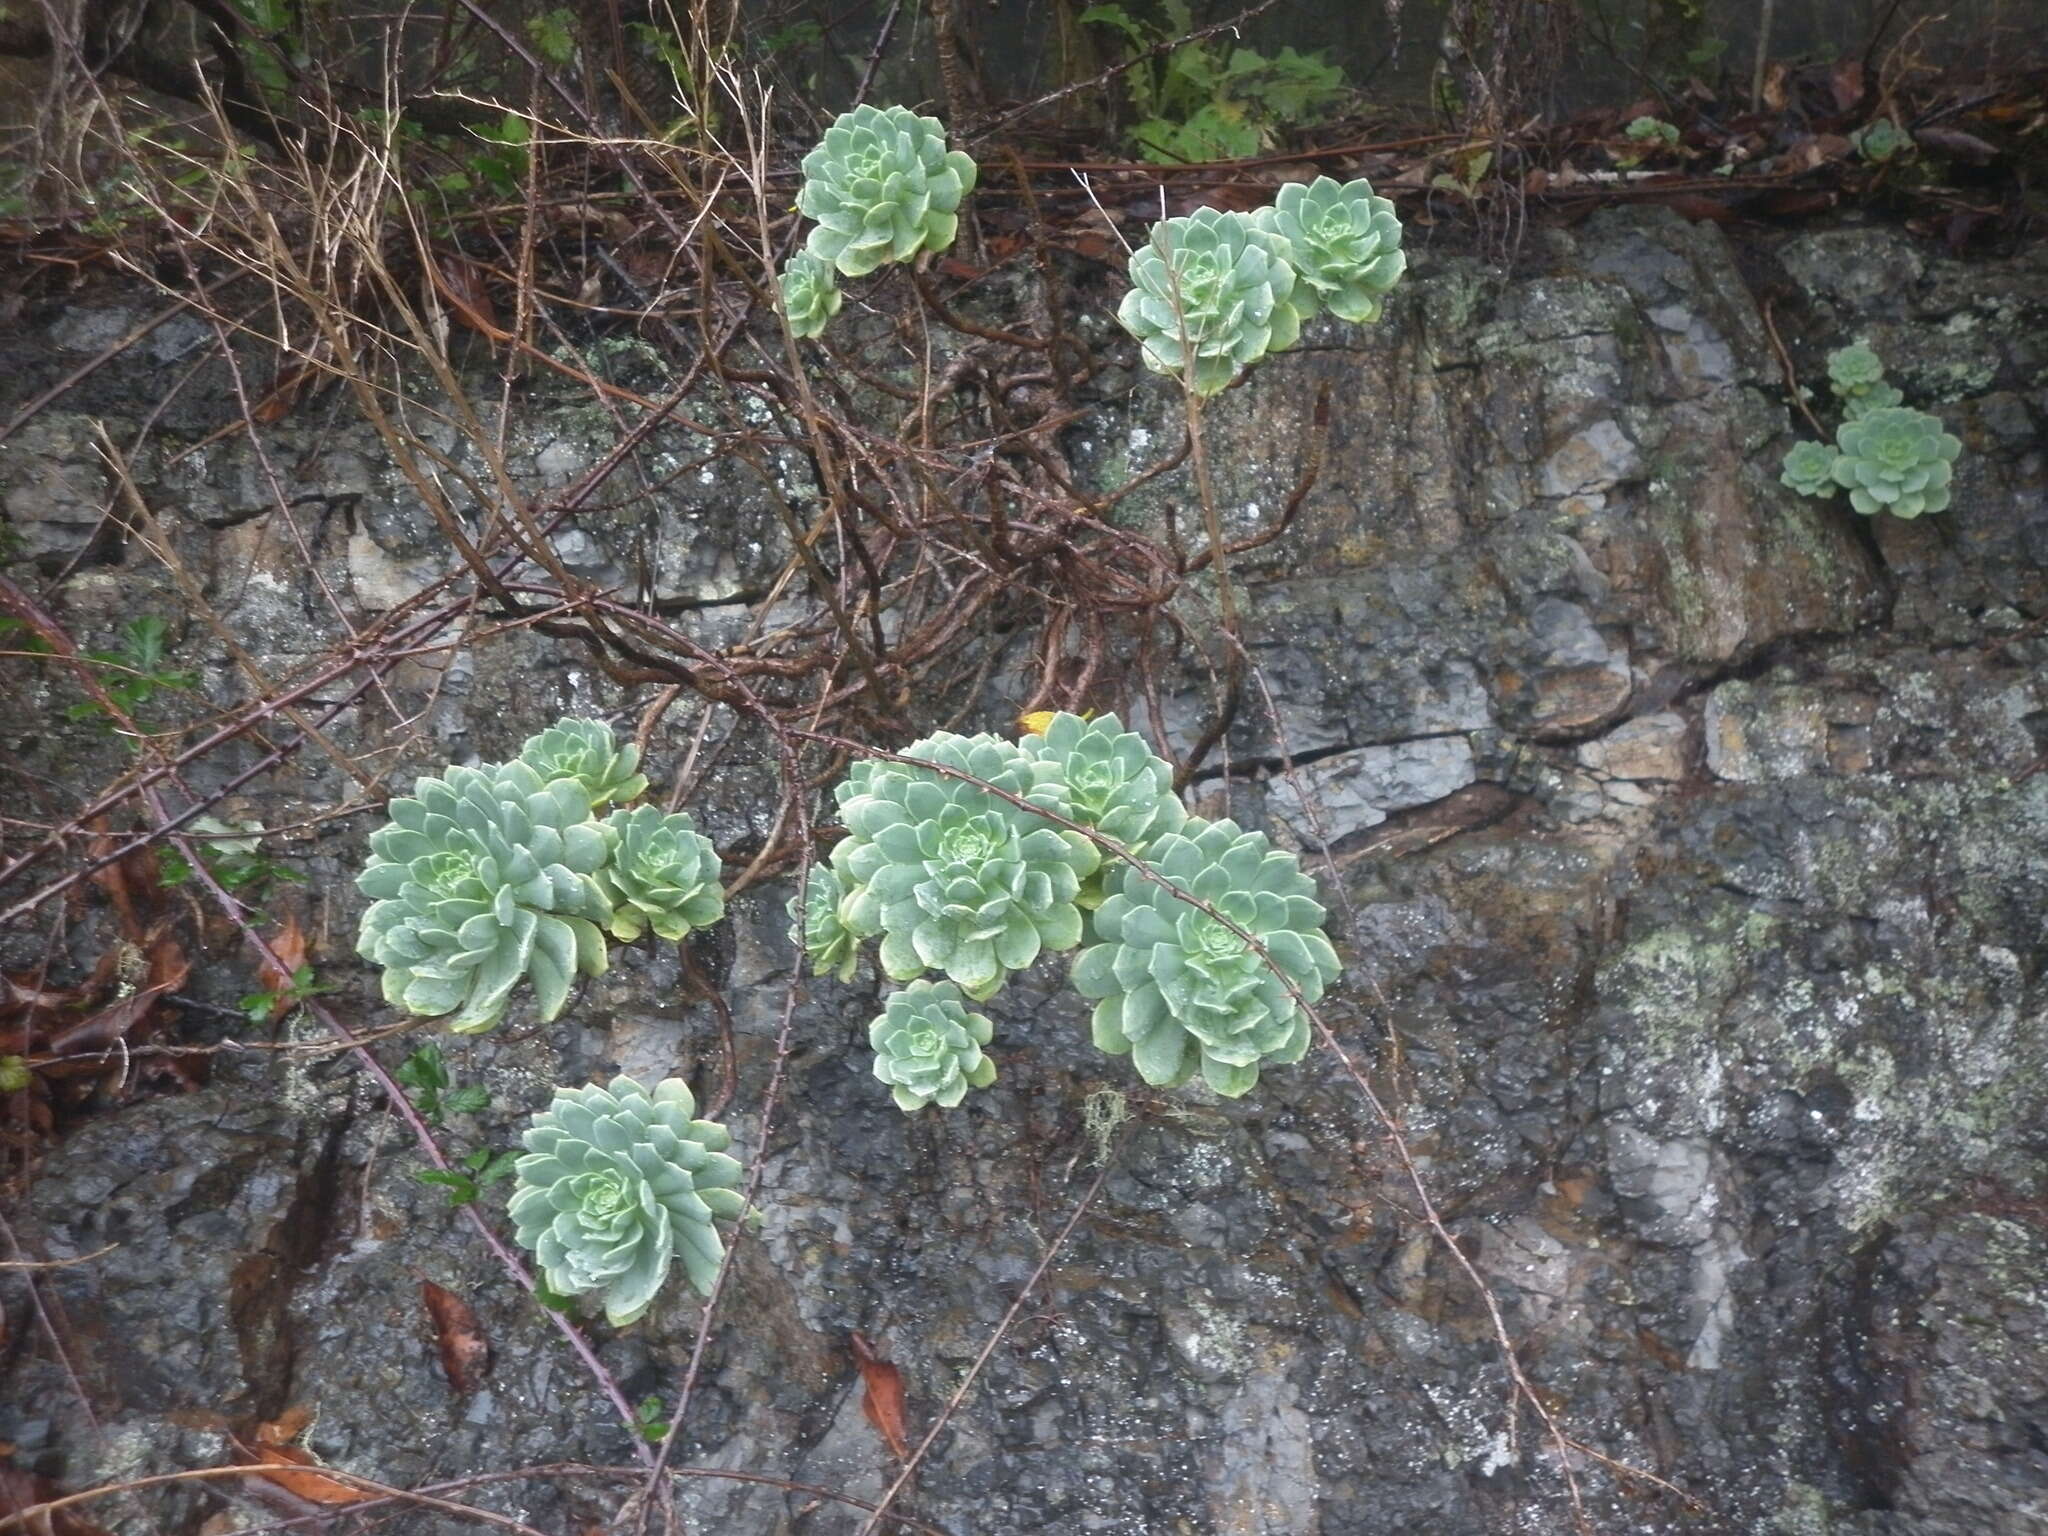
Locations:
(1847, 80)
(295, 1471)
(286, 1427)
(465, 1352)
(881, 1398)
(461, 282)
(20, 1491)
(1956, 144)
(289, 945)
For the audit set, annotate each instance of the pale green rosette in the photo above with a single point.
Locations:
(883, 187)
(831, 947)
(586, 751)
(810, 294)
(1114, 782)
(952, 877)
(616, 1183)
(1896, 460)
(662, 874)
(1856, 374)
(1177, 989)
(483, 878)
(928, 1046)
(1211, 294)
(1343, 241)
(1809, 469)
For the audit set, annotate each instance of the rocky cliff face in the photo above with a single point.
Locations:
(1687, 843)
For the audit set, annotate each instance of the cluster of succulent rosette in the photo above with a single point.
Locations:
(883, 188)
(488, 876)
(1211, 292)
(1888, 456)
(970, 856)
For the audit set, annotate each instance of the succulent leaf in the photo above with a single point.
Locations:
(1114, 782)
(832, 948)
(810, 294)
(586, 751)
(484, 877)
(616, 1183)
(1810, 469)
(1343, 241)
(928, 1046)
(883, 187)
(662, 874)
(1211, 294)
(1895, 459)
(1178, 990)
(954, 878)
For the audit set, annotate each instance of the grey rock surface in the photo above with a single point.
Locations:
(1687, 845)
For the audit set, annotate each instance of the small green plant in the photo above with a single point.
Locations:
(586, 751)
(474, 1174)
(263, 1007)
(1889, 457)
(1881, 141)
(233, 855)
(832, 948)
(650, 1420)
(134, 672)
(928, 1046)
(1207, 100)
(616, 1183)
(424, 1076)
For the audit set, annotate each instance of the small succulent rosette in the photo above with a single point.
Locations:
(828, 944)
(1114, 782)
(883, 187)
(952, 877)
(1809, 469)
(1343, 241)
(928, 1047)
(1179, 991)
(662, 874)
(1897, 460)
(810, 294)
(586, 751)
(483, 878)
(1211, 294)
(1856, 374)
(617, 1183)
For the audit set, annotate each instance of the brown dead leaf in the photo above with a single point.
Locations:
(283, 394)
(1956, 144)
(289, 945)
(1846, 79)
(297, 1472)
(286, 1428)
(881, 1398)
(461, 282)
(21, 1491)
(465, 1352)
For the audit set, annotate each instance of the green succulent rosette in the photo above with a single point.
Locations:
(1810, 469)
(586, 751)
(1177, 989)
(1897, 460)
(928, 1046)
(810, 294)
(1211, 294)
(883, 187)
(1856, 374)
(484, 877)
(954, 878)
(832, 948)
(662, 874)
(1114, 782)
(616, 1183)
(1343, 241)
